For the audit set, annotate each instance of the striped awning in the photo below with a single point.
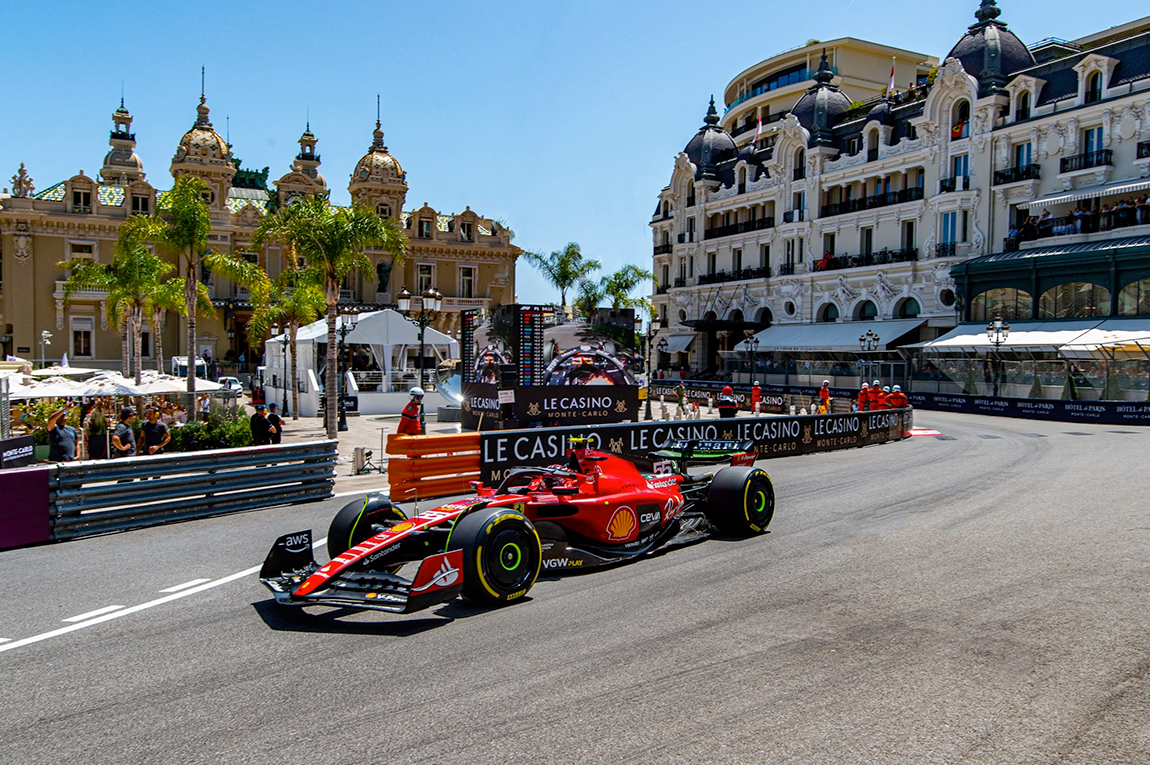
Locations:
(1093, 192)
(679, 343)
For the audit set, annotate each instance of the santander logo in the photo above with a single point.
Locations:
(622, 524)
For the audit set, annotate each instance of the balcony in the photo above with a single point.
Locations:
(720, 277)
(1016, 174)
(682, 281)
(956, 183)
(1091, 221)
(795, 216)
(686, 237)
(1088, 160)
(781, 82)
(1144, 150)
(872, 154)
(660, 289)
(739, 228)
(663, 249)
(463, 303)
(946, 250)
(871, 202)
(786, 269)
(880, 258)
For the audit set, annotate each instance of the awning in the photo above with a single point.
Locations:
(833, 336)
(679, 343)
(1081, 338)
(1093, 192)
(1112, 339)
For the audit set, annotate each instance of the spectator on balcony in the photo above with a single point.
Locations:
(1045, 224)
(1079, 216)
(1107, 218)
(1142, 210)
(1013, 233)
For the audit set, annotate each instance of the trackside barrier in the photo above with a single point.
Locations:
(432, 466)
(96, 497)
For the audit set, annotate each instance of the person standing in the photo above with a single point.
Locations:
(897, 399)
(155, 433)
(882, 402)
(756, 397)
(276, 422)
(61, 437)
(874, 394)
(728, 404)
(123, 439)
(864, 398)
(205, 407)
(825, 397)
(261, 428)
(409, 421)
(681, 399)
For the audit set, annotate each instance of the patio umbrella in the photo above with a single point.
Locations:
(109, 384)
(160, 384)
(59, 371)
(53, 387)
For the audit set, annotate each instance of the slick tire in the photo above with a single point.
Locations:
(501, 555)
(741, 501)
(355, 522)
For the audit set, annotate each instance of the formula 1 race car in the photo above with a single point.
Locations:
(594, 510)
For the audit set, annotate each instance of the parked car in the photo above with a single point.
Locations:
(232, 384)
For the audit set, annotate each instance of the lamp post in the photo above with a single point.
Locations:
(996, 332)
(652, 329)
(751, 345)
(350, 319)
(45, 340)
(430, 303)
(869, 343)
(286, 380)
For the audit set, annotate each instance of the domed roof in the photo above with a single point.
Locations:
(749, 154)
(711, 145)
(122, 157)
(201, 142)
(822, 105)
(377, 165)
(880, 112)
(989, 51)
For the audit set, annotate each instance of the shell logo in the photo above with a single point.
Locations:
(622, 523)
(400, 527)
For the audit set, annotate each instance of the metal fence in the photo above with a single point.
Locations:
(95, 497)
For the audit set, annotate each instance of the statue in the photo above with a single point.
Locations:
(22, 186)
(383, 271)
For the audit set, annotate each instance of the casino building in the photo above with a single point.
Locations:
(468, 258)
(824, 204)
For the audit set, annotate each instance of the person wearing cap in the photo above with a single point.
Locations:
(409, 424)
(123, 439)
(261, 428)
(276, 422)
(897, 399)
(61, 437)
(155, 433)
(825, 397)
(864, 397)
(874, 394)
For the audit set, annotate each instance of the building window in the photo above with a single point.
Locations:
(828, 245)
(949, 227)
(425, 276)
(854, 146)
(908, 235)
(81, 250)
(1092, 140)
(909, 309)
(1022, 154)
(1077, 300)
(960, 164)
(140, 204)
(764, 255)
(383, 210)
(960, 125)
(829, 312)
(466, 230)
(866, 240)
(81, 200)
(146, 342)
(1094, 88)
(737, 260)
(1022, 107)
(424, 228)
(466, 281)
(711, 258)
(1134, 299)
(82, 329)
(868, 310)
(1007, 302)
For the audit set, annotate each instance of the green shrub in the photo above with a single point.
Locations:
(1036, 388)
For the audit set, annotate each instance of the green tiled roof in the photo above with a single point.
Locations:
(111, 196)
(52, 193)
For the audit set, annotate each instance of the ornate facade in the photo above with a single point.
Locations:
(848, 209)
(469, 259)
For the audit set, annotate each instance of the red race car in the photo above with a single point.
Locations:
(595, 510)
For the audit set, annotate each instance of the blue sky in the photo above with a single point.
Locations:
(561, 118)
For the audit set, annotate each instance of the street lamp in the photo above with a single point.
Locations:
(45, 340)
(996, 332)
(751, 345)
(652, 330)
(430, 302)
(286, 380)
(869, 343)
(350, 319)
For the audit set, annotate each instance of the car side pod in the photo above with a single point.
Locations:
(291, 573)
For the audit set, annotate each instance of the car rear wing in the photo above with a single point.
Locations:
(684, 453)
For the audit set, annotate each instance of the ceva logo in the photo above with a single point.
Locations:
(622, 523)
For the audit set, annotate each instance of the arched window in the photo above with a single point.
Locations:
(742, 179)
(1094, 88)
(666, 209)
(1007, 302)
(1134, 299)
(666, 237)
(908, 309)
(764, 316)
(866, 310)
(1074, 301)
(960, 122)
(800, 164)
(829, 312)
(1022, 106)
(383, 210)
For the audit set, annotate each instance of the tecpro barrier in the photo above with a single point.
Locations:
(773, 437)
(1056, 410)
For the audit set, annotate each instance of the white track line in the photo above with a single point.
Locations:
(92, 614)
(134, 609)
(186, 585)
(4, 640)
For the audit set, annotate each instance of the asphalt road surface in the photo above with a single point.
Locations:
(980, 598)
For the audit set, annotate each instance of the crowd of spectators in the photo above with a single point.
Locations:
(1084, 219)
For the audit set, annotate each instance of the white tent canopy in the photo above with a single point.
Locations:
(1076, 338)
(832, 336)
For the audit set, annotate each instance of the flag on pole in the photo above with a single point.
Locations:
(758, 130)
(64, 361)
(890, 87)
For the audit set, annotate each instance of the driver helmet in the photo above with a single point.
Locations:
(417, 392)
(826, 383)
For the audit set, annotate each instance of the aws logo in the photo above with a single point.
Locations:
(622, 524)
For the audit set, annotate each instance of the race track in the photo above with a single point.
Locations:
(975, 598)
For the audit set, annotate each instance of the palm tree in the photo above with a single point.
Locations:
(327, 244)
(619, 286)
(292, 302)
(132, 276)
(563, 269)
(590, 295)
(169, 296)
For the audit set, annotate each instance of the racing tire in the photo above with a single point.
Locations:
(741, 501)
(502, 555)
(356, 521)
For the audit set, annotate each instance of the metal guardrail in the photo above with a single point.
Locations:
(114, 495)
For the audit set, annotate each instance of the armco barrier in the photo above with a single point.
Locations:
(95, 497)
(432, 466)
